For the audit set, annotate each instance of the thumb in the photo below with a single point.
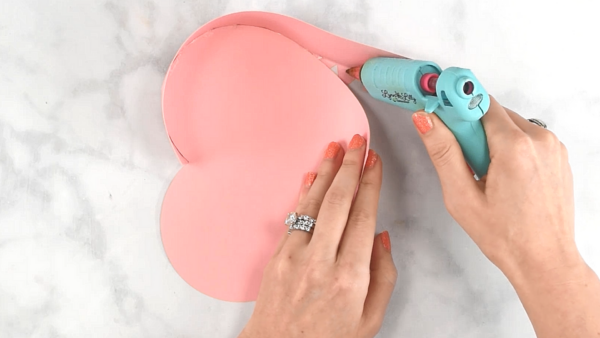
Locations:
(457, 181)
(381, 286)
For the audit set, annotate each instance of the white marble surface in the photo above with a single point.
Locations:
(85, 161)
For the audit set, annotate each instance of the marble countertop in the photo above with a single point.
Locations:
(85, 161)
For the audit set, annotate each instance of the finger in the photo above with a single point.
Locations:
(357, 241)
(458, 184)
(311, 203)
(306, 184)
(280, 244)
(338, 199)
(381, 286)
(309, 179)
(499, 128)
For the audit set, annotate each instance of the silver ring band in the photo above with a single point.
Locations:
(539, 123)
(294, 221)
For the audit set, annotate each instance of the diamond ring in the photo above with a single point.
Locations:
(300, 222)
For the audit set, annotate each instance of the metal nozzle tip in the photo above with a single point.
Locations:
(354, 72)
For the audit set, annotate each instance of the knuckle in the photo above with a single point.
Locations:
(548, 138)
(324, 173)
(369, 183)
(278, 267)
(349, 272)
(361, 217)
(335, 198)
(523, 146)
(346, 283)
(522, 143)
(315, 275)
(441, 153)
(392, 275)
(350, 163)
(348, 268)
(310, 205)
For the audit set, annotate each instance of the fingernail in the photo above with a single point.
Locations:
(356, 142)
(470, 170)
(385, 240)
(371, 159)
(310, 179)
(332, 150)
(423, 122)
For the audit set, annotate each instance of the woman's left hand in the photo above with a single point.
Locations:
(337, 281)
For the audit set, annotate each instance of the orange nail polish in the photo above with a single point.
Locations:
(332, 150)
(371, 159)
(423, 122)
(310, 179)
(356, 142)
(385, 240)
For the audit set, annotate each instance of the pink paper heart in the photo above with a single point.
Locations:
(249, 104)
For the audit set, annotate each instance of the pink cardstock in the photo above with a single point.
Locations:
(250, 102)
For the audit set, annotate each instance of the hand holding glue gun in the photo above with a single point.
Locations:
(454, 94)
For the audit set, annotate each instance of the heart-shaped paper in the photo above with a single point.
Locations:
(249, 103)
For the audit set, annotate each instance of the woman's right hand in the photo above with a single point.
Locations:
(521, 215)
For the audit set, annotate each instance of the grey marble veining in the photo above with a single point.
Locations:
(85, 161)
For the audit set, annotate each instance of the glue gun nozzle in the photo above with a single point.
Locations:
(354, 72)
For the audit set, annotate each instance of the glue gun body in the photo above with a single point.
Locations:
(454, 94)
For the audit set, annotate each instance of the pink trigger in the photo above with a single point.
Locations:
(428, 82)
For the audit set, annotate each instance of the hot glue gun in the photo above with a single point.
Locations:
(455, 95)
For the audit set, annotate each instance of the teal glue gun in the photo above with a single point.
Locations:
(454, 94)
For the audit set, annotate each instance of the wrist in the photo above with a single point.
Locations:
(549, 267)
